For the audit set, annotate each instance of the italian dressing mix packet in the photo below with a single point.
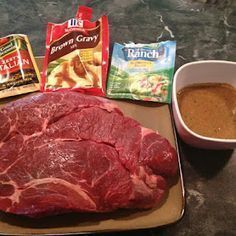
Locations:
(18, 70)
(77, 54)
(142, 71)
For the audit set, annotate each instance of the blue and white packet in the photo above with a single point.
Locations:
(142, 71)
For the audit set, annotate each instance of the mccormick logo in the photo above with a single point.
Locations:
(148, 54)
(75, 23)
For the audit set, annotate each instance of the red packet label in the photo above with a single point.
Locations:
(18, 70)
(77, 54)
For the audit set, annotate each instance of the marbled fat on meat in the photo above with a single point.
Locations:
(68, 152)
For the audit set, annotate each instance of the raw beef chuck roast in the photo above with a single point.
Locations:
(68, 152)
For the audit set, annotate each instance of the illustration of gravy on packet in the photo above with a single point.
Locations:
(77, 54)
(142, 71)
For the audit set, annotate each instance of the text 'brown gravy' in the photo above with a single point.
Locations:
(209, 109)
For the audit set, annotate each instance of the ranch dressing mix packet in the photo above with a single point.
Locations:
(77, 54)
(142, 71)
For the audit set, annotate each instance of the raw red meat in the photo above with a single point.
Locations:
(68, 152)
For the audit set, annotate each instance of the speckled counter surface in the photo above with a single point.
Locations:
(203, 29)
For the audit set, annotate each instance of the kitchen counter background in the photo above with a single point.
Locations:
(203, 29)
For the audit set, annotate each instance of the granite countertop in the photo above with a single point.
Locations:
(203, 29)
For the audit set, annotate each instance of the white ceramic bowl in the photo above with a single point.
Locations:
(202, 72)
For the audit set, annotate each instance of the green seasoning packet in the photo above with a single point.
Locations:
(142, 71)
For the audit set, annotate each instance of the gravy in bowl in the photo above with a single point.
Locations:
(209, 109)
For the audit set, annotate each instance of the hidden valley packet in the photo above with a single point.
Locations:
(142, 71)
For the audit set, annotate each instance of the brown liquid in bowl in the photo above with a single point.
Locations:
(209, 109)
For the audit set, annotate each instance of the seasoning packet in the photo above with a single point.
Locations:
(142, 71)
(18, 70)
(77, 54)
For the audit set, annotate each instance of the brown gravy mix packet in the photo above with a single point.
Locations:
(18, 70)
(77, 54)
